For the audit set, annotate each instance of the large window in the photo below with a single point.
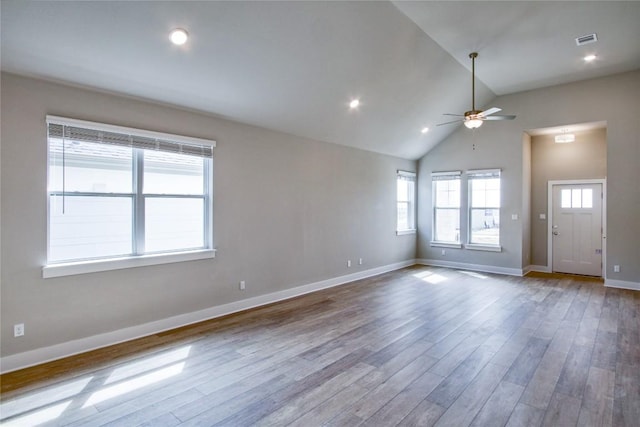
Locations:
(484, 208)
(446, 207)
(406, 208)
(123, 193)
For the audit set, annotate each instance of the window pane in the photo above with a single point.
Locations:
(587, 198)
(485, 226)
(485, 193)
(89, 167)
(448, 193)
(173, 223)
(402, 189)
(403, 216)
(566, 198)
(447, 225)
(576, 198)
(90, 227)
(170, 173)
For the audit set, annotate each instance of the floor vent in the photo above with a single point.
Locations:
(589, 38)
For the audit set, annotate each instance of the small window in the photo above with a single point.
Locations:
(122, 193)
(446, 207)
(406, 206)
(576, 198)
(484, 208)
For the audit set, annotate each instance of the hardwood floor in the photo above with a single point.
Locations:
(420, 346)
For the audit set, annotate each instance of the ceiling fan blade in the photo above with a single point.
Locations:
(450, 114)
(490, 111)
(499, 118)
(448, 123)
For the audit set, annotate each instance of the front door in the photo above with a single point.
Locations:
(576, 229)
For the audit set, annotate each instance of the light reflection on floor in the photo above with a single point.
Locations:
(430, 277)
(50, 404)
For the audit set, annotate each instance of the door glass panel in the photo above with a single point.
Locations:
(566, 198)
(576, 198)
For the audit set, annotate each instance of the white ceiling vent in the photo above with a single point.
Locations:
(589, 38)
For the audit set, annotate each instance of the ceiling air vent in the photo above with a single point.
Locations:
(589, 38)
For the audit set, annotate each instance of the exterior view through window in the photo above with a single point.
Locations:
(484, 207)
(446, 207)
(115, 194)
(406, 209)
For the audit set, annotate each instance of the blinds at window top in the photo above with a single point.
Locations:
(484, 173)
(74, 133)
(406, 176)
(445, 176)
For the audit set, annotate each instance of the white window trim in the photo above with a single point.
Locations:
(413, 203)
(107, 264)
(443, 243)
(404, 232)
(437, 244)
(478, 246)
(117, 263)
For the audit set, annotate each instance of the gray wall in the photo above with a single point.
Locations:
(499, 144)
(287, 212)
(583, 159)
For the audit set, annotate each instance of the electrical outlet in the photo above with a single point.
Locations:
(616, 269)
(444, 252)
(348, 263)
(360, 261)
(242, 285)
(18, 330)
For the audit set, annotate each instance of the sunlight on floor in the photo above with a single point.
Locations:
(39, 417)
(134, 384)
(474, 274)
(42, 398)
(430, 277)
(48, 405)
(148, 364)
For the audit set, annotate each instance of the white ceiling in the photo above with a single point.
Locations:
(294, 66)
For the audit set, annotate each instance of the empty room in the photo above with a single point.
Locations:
(319, 213)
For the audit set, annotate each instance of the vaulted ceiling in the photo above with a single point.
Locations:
(294, 66)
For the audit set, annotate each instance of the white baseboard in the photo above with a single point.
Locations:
(537, 268)
(82, 345)
(622, 284)
(472, 267)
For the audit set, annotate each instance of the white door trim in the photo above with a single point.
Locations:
(550, 185)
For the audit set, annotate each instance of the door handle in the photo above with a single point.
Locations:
(555, 233)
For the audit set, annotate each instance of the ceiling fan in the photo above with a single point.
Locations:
(473, 119)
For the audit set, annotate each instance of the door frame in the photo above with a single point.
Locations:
(550, 185)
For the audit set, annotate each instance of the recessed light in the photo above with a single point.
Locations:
(178, 36)
(425, 130)
(354, 103)
(590, 58)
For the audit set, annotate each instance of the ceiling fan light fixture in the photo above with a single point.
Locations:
(473, 123)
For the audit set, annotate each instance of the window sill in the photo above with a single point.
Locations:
(445, 245)
(489, 248)
(94, 266)
(403, 232)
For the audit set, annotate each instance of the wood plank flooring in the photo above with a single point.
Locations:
(420, 346)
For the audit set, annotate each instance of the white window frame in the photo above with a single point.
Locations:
(439, 176)
(471, 176)
(65, 268)
(411, 203)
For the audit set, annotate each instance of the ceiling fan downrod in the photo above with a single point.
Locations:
(473, 56)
